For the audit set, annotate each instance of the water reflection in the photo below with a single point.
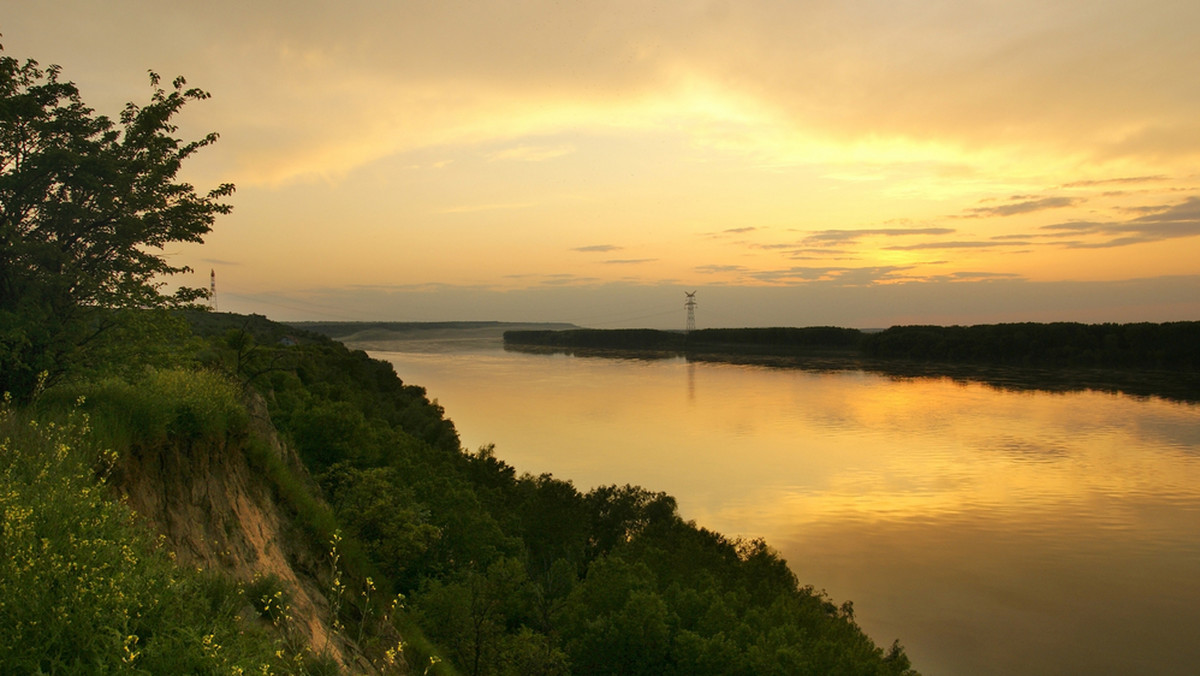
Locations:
(992, 531)
(1173, 385)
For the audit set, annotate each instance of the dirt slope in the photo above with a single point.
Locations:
(217, 512)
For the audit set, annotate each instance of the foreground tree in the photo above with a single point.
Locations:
(87, 206)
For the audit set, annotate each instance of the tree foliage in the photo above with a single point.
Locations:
(519, 574)
(1171, 345)
(87, 205)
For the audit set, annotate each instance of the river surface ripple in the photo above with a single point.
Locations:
(990, 531)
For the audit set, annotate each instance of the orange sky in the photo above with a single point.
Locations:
(851, 163)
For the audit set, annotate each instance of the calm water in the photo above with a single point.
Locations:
(992, 532)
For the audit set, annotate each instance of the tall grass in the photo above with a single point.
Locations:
(157, 406)
(85, 590)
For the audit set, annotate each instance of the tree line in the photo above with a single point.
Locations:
(1166, 346)
(1172, 345)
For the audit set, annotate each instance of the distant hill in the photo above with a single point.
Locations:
(433, 336)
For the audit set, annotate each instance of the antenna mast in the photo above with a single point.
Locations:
(212, 290)
(690, 304)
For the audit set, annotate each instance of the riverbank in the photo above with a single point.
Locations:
(1139, 359)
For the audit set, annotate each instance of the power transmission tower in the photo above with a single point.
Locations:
(691, 308)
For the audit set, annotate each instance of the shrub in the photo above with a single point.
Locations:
(160, 404)
(84, 590)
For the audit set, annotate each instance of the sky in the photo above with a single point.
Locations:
(853, 163)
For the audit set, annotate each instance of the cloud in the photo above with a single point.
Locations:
(846, 236)
(973, 276)
(629, 261)
(925, 246)
(571, 281)
(842, 276)
(1163, 140)
(1161, 223)
(732, 231)
(820, 251)
(332, 89)
(529, 153)
(598, 248)
(718, 269)
(1115, 181)
(473, 208)
(1024, 207)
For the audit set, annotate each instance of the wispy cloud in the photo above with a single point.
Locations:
(846, 236)
(566, 279)
(1023, 207)
(1115, 181)
(966, 244)
(819, 251)
(1166, 222)
(629, 261)
(598, 248)
(718, 269)
(532, 153)
(732, 231)
(974, 276)
(844, 276)
(472, 208)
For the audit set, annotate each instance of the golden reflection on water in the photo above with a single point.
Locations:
(990, 531)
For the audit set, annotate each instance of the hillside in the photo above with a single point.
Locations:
(434, 336)
(364, 539)
(193, 558)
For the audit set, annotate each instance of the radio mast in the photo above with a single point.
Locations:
(690, 304)
(212, 290)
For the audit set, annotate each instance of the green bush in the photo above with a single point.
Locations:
(161, 404)
(84, 590)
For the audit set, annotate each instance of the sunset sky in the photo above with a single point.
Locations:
(857, 163)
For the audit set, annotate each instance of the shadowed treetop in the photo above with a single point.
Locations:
(87, 205)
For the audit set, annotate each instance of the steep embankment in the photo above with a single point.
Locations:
(218, 511)
(496, 572)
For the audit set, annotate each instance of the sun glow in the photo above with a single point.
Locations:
(738, 147)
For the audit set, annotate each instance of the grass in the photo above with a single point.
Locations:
(85, 590)
(157, 406)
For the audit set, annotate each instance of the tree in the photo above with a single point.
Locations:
(87, 206)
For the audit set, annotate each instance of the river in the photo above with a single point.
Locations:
(991, 531)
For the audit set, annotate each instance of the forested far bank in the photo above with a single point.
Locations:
(1167, 346)
(1172, 345)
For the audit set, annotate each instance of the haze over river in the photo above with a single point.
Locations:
(990, 531)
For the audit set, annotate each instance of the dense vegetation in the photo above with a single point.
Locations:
(527, 574)
(494, 573)
(809, 340)
(86, 207)
(84, 588)
(1174, 346)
